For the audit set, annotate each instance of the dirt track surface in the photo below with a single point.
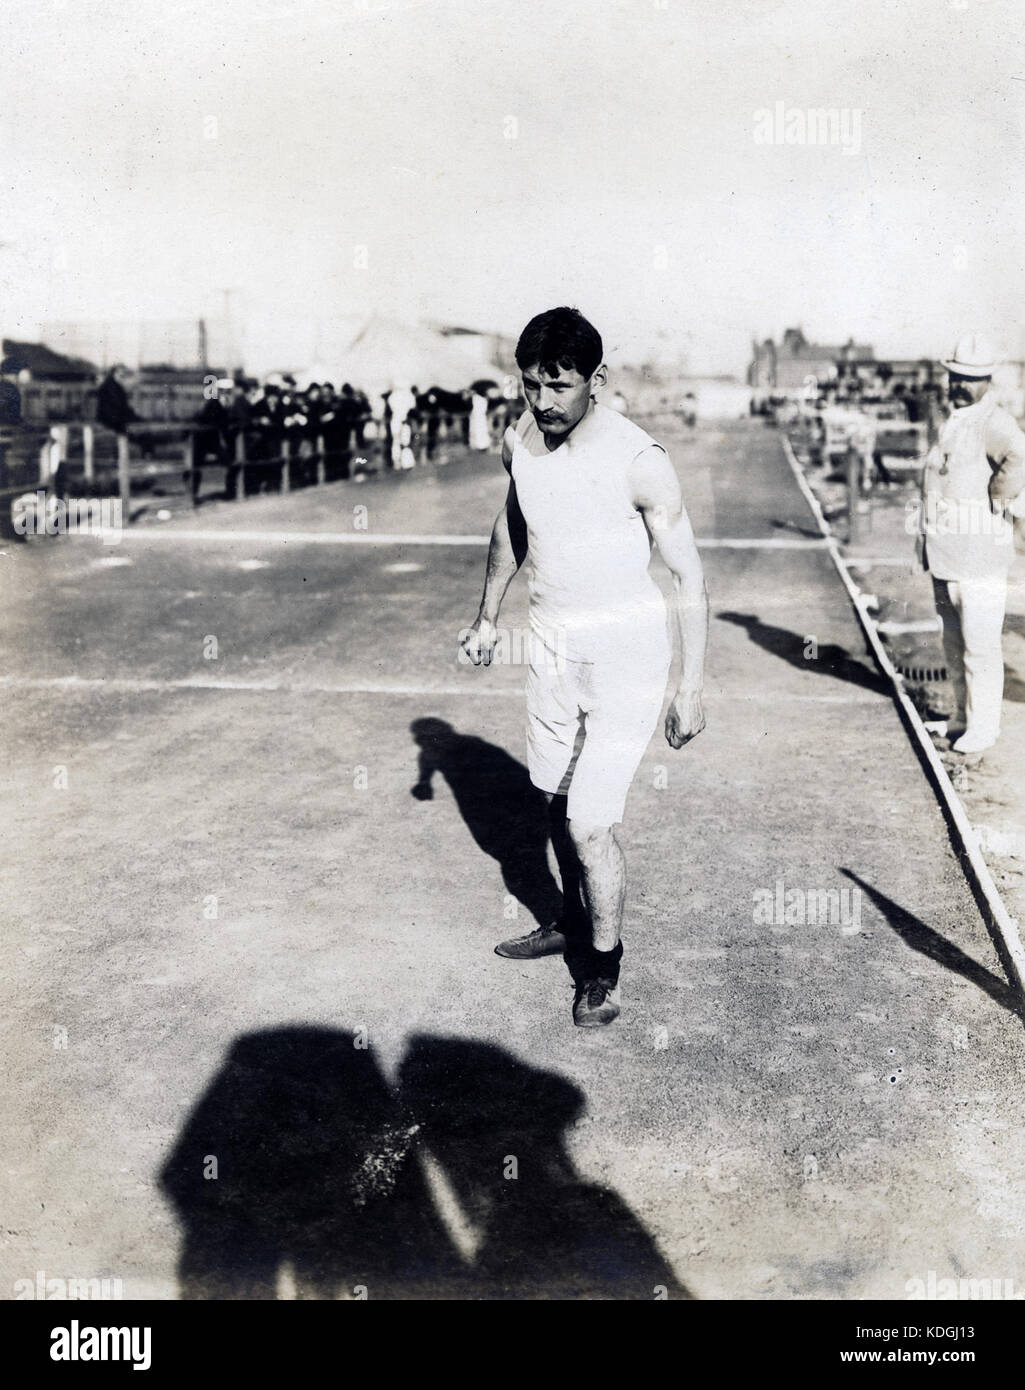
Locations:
(784, 1110)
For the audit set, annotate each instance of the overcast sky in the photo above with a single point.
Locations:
(497, 158)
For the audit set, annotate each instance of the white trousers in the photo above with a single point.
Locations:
(590, 723)
(972, 611)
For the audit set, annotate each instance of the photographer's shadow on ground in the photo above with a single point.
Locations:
(300, 1173)
(498, 1129)
(297, 1160)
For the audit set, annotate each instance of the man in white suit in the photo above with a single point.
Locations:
(971, 487)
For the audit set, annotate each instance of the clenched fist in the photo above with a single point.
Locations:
(478, 642)
(685, 720)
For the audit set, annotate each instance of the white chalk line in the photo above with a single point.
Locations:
(479, 689)
(759, 543)
(286, 537)
(874, 562)
(1006, 925)
(400, 538)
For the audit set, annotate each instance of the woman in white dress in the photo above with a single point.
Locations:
(480, 435)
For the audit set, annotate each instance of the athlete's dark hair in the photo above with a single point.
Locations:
(560, 338)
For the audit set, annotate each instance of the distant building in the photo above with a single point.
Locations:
(56, 388)
(786, 368)
(37, 362)
(53, 387)
(499, 348)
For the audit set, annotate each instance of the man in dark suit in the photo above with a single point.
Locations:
(211, 437)
(113, 407)
(10, 420)
(269, 419)
(335, 430)
(10, 396)
(245, 394)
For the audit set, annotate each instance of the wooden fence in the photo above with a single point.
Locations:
(54, 458)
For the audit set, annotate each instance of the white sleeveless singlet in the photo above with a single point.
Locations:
(591, 595)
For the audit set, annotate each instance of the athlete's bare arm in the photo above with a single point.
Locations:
(656, 494)
(506, 554)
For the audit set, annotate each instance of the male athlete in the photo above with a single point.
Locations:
(588, 493)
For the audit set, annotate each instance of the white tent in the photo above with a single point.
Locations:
(386, 354)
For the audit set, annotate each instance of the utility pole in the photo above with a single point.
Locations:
(231, 352)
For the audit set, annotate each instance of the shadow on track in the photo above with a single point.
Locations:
(914, 933)
(320, 1171)
(310, 1173)
(793, 528)
(829, 660)
(1014, 686)
(504, 812)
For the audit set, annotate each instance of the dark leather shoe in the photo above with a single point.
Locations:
(596, 1004)
(545, 941)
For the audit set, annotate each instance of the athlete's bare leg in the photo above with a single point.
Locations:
(592, 867)
(593, 873)
(603, 879)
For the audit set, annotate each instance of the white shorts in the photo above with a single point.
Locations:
(588, 726)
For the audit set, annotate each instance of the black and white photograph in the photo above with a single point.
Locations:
(512, 545)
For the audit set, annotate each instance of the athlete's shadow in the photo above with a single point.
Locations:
(299, 1172)
(823, 660)
(504, 812)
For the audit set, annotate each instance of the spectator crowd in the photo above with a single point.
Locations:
(250, 428)
(259, 433)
